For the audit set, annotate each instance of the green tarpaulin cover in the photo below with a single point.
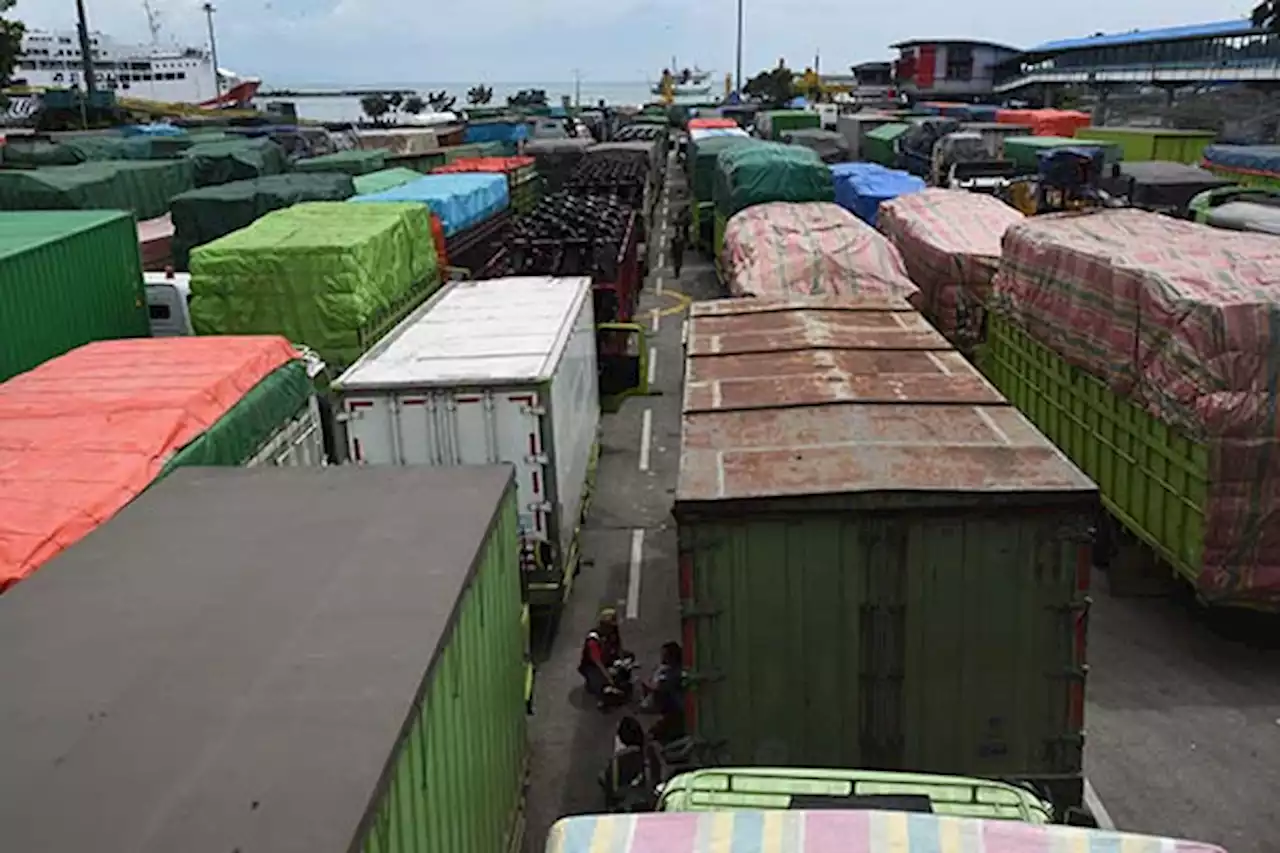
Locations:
(141, 186)
(758, 174)
(349, 162)
(235, 437)
(235, 160)
(474, 149)
(703, 161)
(385, 179)
(329, 275)
(203, 215)
(88, 149)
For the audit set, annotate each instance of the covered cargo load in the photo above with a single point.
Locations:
(524, 187)
(702, 157)
(384, 179)
(155, 242)
(1252, 165)
(854, 129)
(950, 243)
(331, 275)
(915, 147)
(827, 144)
(499, 371)
(508, 132)
(1166, 322)
(34, 153)
(1153, 143)
(880, 144)
(354, 162)
(758, 174)
(833, 831)
(85, 433)
(813, 249)
(291, 660)
(143, 187)
(1160, 186)
(221, 162)
(398, 141)
(66, 278)
(1025, 151)
(845, 475)
(1246, 216)
(773, 123)
(994, 134)
(1063, 123)
(461, 201)
(861, 187)
(556, 158)
(203, 215)
(471, 150)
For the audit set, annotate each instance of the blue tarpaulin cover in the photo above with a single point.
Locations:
(157, 129)
(860, 187)
(497, 131)
(981, 112)
(1257, 158)
(460, 200)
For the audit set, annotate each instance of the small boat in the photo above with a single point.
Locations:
(685, 82)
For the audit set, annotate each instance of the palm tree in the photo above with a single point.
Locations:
(413, 105)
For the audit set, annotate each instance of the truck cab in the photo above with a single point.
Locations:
(168, 295)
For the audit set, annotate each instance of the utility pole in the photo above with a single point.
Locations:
(213, 51)
(577, 88)
(86, 50)
(739, 64)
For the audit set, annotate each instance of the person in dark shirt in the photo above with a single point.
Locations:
(601, 649)
(678, 239)
(665, 695)
(634, 769)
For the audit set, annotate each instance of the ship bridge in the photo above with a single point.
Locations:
(1232, 51)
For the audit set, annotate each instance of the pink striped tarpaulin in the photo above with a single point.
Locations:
(950, 243)
(1184, 320)
(817, 248)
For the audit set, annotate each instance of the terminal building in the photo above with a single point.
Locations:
(1233, 51)
(957, 69)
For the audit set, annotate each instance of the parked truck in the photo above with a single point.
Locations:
(487, 372)
(67, 277)
(301, 659)
(882, 564)
(89, 431)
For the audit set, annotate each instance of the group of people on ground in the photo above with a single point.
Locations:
(635, 767)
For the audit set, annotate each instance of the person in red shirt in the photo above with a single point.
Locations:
(600, 651)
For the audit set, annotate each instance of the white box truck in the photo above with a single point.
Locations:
(492, 371)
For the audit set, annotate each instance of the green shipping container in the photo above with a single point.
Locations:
(851, 552)
(880, 145)
(774, 123)
(66, 278)
(281, 669)
(1024, 151)
(1150, 143)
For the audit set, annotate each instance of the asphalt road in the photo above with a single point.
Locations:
(1183, 711)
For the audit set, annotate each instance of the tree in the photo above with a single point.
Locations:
(375, 107)
(10, 42)
(413, 105)
(440, 101)
(528, 98)
(480, 95)
(395, 100)
(773, 87)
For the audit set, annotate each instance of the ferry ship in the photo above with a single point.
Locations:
(685, 82)
(173, 74)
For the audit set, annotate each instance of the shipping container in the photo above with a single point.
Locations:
(89, 431)
(273, 659)
(486, 372)
(1153, 143)
(828, 831)
(880, 144)
(865, 525)
(773, 123)
(66, 278)
(855, 127)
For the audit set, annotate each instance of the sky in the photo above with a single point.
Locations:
(508, 41)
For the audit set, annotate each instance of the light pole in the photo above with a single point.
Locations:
(739, 64)
(213, 52)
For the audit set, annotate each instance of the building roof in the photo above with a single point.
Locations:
(872, 65)
(978, 42)
(1238, 26)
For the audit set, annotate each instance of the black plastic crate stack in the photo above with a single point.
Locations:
(611, 174)
(567, 234)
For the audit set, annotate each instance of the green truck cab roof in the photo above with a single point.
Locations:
(839, 832)
(786, 788)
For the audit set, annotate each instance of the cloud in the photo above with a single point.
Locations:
(384, 41)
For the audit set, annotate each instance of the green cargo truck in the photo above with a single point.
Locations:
(759, 174)
(1153, 143)
(1025, 151)
(66, 278)
(318, 659)
(701, 163)
(141, 186)
(774, 123)
(882, 564)
(880, 145)
(352, 163)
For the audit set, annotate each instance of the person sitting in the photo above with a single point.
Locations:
(633, 771)
(664, 695)
(601, 650)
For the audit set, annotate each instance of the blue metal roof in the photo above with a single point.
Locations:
(1239, 26)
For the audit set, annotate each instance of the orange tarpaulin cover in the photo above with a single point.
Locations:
(709, 123)
(1046, 122)
(85, 433)
(484, 164)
